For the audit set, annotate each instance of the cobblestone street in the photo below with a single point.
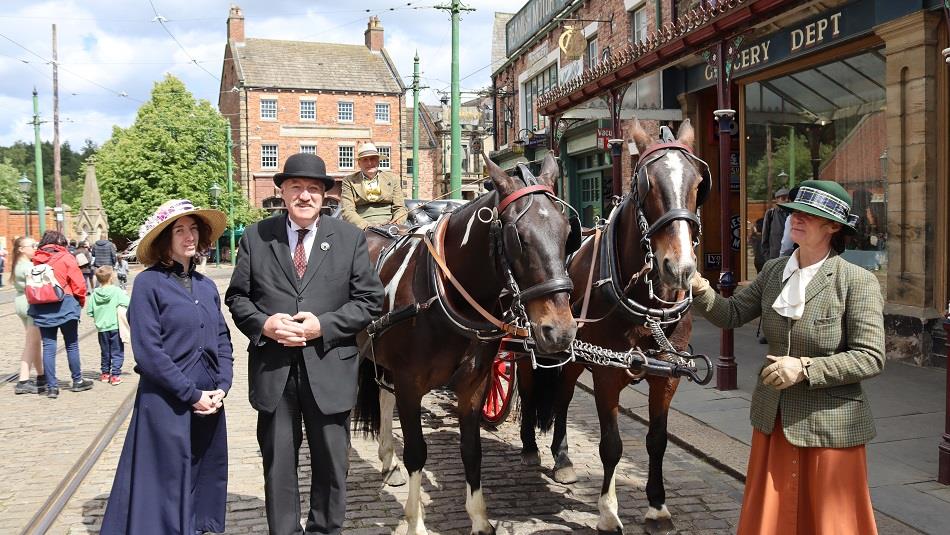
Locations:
(520, 500)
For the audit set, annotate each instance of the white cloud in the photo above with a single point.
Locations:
(119, 47)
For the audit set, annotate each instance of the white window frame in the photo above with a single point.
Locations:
(276, 155)
(308, 144)
(311, 102)
(385, 162)
(635, 36)
(339, 111)
(266, 117)
(388, 119)
(351, 157)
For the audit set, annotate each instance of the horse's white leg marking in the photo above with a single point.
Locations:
(414, 511)
(657, 514)
(393, 285)
(477, 512)
(607, 504)
(468, 228)
(387, 454)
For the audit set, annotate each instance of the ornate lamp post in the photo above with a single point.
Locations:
(215, 195)
(24, 184)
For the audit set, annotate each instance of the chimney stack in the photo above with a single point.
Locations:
(374, 34)
(236, 24)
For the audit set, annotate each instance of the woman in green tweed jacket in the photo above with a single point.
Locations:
(823, 319)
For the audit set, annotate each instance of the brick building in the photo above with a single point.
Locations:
(285, 97)
(849, 90)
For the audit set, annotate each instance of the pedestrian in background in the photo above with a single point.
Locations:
(103, 254)
(773, 226)
(303, 288)
(32, 357)
(63, 315)
(824, 321)
(173, 472)
(3, 263)
(104, 303)
(84, 261)
(122, 271)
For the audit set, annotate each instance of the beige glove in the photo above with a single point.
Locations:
(784, 372)
(698, 283)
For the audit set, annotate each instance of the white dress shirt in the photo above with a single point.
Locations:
(292, 236)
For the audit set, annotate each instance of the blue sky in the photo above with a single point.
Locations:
(112, 51)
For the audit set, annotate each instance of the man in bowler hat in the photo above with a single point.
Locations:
(302, 289)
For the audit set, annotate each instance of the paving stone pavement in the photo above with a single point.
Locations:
(41, 438)
(520, 500)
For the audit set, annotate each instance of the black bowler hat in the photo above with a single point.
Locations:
(304, 165)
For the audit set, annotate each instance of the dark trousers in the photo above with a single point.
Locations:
(113, 354)
(279, 436)
(70, 331)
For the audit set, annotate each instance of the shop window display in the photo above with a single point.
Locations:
(826, 122)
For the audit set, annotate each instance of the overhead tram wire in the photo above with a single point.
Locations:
(161, 21)
(121, 94)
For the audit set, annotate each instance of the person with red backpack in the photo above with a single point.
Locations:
(60, 315)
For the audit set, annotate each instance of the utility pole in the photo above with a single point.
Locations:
(230, 171)
(415, 127)
(38, 156)
(57, 158)
(455, 183)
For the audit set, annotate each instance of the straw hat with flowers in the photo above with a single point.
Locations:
(164, 216)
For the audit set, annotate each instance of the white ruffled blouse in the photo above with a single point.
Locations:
(791, 301)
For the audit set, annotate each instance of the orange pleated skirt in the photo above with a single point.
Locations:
(805, 491)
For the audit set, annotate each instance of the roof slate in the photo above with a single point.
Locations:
(323, 66)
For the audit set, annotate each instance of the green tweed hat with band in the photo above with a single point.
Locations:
(824, 198)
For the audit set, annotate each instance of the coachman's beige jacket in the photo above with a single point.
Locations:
(842, 330)
(357, 208)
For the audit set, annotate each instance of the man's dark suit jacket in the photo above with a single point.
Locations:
(339, 287)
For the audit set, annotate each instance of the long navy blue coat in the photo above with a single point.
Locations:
(172, 475)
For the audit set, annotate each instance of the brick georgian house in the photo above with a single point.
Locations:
(285, 97)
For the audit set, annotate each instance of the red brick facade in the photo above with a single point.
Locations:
(12, 225)
(296, 118)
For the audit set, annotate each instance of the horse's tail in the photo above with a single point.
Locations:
(546, 381)
(366, 414)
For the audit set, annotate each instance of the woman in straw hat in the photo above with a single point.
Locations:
(172, 475)
(824, 322)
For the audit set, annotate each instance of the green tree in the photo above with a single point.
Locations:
(782, 155)
(10, 195)
(72, 169)
(175, 149)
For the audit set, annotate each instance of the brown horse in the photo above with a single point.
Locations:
(431, 335)
(649, 241)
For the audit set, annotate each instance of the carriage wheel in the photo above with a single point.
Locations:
(502, 389)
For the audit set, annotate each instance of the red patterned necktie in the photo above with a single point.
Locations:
(300, 254)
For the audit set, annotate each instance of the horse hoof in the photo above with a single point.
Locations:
(492, 532)
(565, 475)
(395, 477)
(531, 458)
(661, 526)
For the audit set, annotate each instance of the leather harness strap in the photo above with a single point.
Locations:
(506, 327)
(658, 147)
(590, 281)
(521, 193)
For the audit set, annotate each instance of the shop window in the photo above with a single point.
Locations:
(532, 89)
(826, 122)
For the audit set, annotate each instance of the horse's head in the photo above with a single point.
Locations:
(669, 184)
(534, 230)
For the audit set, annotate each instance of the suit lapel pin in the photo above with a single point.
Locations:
(324, 246)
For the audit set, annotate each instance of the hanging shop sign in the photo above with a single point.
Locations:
(572, 43)
(827, 29)
(603, 137)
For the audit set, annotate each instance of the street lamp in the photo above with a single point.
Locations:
(215, 195)
(24, 184)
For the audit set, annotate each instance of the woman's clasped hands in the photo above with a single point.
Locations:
(210, 402)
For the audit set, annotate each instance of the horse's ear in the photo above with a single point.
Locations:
(640, 137)
(503, 182)
(686, 135)
(549, 170)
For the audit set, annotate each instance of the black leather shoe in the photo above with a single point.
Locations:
(81, 385)
(52, 392)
